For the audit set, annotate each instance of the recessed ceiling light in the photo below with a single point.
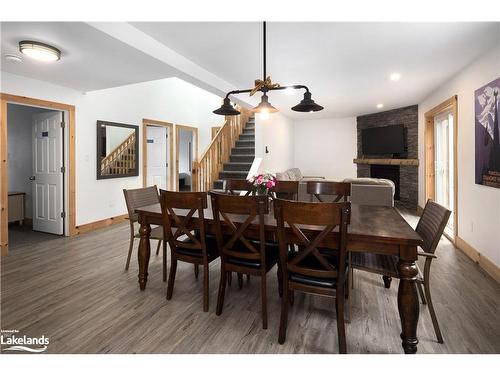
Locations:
(39, 51)
(13, 58)
(395, 76)
(380, 105)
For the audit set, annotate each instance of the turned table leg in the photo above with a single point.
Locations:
(144, 252)
(408, 305)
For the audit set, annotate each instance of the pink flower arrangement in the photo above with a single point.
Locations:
(263, 181)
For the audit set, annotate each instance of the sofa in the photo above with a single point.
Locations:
(372, 191)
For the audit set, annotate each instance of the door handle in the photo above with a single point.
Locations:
(32, 178)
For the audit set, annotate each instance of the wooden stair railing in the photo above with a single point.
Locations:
(122, 159)
(206, 169)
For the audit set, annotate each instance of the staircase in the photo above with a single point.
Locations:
(241, 157)
(230, 154)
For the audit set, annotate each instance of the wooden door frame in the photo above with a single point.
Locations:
(177, 130)
(4, 167)
(168, 125)
(450, 104)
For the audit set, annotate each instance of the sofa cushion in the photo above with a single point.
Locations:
(295, 174)
(371, 181)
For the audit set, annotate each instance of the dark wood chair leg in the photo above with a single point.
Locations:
(229, 278)
(222, 290)
(130, 247)
(196, 271)
(171, 277)
(280, 281)
(248, 277)
(164, 261)
(431, 311)
(240, 280)
(158, 247)
(264, 300)
(421, 293)
(387, 281)
(339, 308)
(205, 287)
(284, 314)
(291, 297)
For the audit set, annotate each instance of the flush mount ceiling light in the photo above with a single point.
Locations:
(380, 106)
(39, 51)
(265, 85)
(395, 76)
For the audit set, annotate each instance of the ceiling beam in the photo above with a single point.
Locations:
(186, 69)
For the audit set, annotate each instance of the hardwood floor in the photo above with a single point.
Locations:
(75, 291)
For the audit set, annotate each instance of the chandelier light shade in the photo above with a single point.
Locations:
(226, 109)
(39, 51)
(264, 106)
(307, 104)
(265, 85)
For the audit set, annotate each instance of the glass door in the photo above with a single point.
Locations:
(444, 168)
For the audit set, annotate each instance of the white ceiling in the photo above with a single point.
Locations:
(91, 60)
(345, 65)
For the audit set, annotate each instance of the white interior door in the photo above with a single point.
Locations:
(157, 149)
(47, 178)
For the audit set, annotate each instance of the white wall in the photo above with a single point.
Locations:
(277, 134)
(185, 137)
(325, 147)
(478, 206)
(20, 153)
(169, 100)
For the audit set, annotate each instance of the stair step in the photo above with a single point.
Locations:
(241, 158)
(243, 151)
(247, 137)
(233, 174)
(245, 143)
(232, 166)
(219, 184)
(249, 131)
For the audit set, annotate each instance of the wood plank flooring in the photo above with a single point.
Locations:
(75, 291)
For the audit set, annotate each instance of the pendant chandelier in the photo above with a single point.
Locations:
(265, 85)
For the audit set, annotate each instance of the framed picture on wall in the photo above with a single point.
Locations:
(487, 129)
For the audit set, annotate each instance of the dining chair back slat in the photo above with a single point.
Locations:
(285, 190)
(317, 189)
(235, 186)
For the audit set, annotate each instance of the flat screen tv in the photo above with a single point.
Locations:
(384, 140)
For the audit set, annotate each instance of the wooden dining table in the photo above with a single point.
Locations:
(374, 229)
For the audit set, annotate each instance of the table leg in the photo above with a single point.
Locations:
(408, 305)
(144, 253)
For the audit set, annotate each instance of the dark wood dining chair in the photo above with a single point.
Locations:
(285, 190)
(338, 191)
(319, 266)
(135, 198)
(187, 236)
(235, 186)
(239, 252)
(430, 227)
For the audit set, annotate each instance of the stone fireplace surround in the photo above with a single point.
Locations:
(408, 168)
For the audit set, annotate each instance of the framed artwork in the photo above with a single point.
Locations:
(486, 118)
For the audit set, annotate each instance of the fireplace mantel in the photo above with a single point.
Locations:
(411, 162)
